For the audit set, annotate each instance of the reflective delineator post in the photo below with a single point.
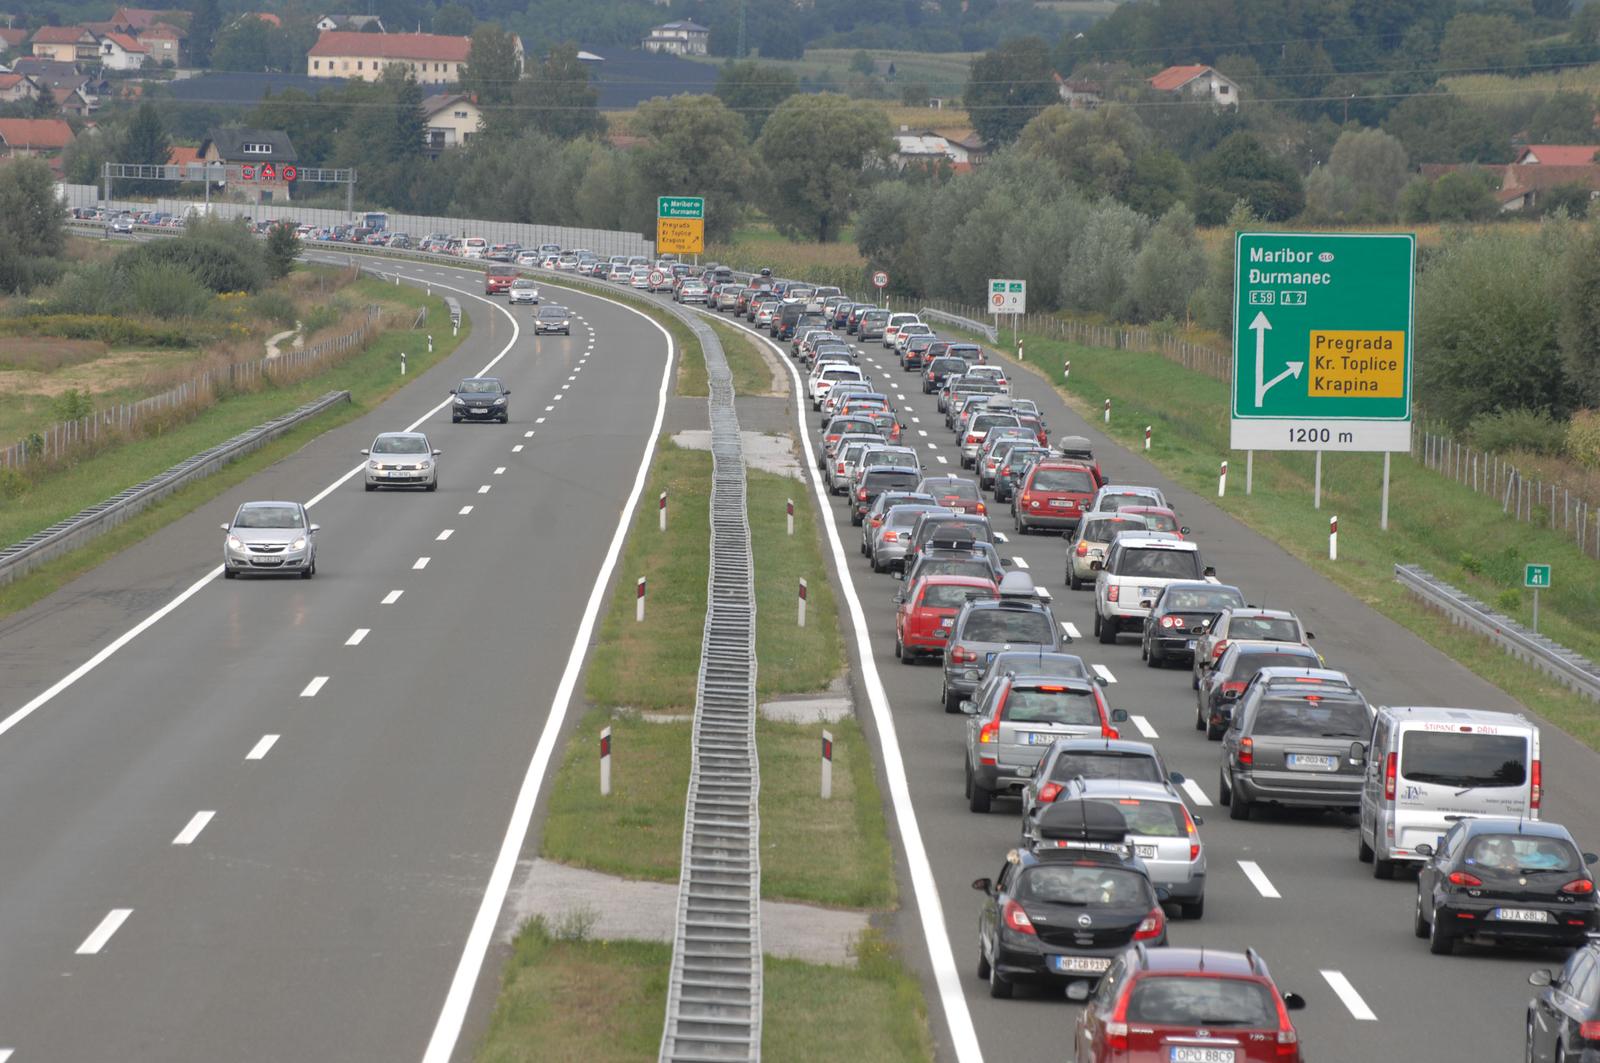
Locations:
(605, 762)
(827, 765)
(791, 516)
(1147, 436)
(1333, 538)
(430, 344)
(802, 608)
(1066, 371)
(1222, 481)
(1108, 411)
(402, 363)
(638, 602)
(661, 508)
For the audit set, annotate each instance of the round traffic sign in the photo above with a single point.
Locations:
(880, 279)
(997, 299)
(656, 278)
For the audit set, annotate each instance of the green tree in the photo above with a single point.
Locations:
(1362, 180)
(203, 26)
(695, 146)
(383, 137)
(1578, 327)
(1094, 150)
(453, 20)
(491, 72)
(243, 46)
(754, 90)
(312, 122)
(1462, 195)
(1476, 42)
(282, 249)
(861, 62)
(1007, 87)
(557, 98)
(1168, 269)
(887, 228)
(145, 143)
(1444, 128)
(1564, 118)
(1242, 168)
(32, 226)
(817, 150)
(1212, 302)
(1100, 268)
(1586, 25)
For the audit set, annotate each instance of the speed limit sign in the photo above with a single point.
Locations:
(880, 279)
(656, 279)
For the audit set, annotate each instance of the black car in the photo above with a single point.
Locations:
(1225, 684)
(1063, 913)
(1564, 1019)
(1504, 881)
(938, 369)
(1010, 472)
(480, 398)
(953, 559)
(876, 481)
(1180, 616)
(553, 318)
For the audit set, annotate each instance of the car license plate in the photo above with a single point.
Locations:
(1060, 503)
(1145, 852)
(1186, 1054)
(1520, 915)
(1191, 644)
(988, 659)
(1040, 738)
(1149, 592)
(480, 409)
(1311, 762)
(947, 622)
(1081, 964)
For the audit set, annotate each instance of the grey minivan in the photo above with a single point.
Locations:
(990, 626)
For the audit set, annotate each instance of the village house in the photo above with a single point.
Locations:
(19, 88)
(65, 44)
(43, 137)
(118, 51)
(453, 120)
(678, 38)
(432, 59)
(262, 153)
(1199, 82)
(356, 23)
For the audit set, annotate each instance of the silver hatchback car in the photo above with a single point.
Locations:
(1019, 718)
(402, 459)
(270, 537)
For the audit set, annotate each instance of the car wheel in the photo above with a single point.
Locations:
(1363, 850)
(310, 571)
(1108, 632)
(1074, 583)
(454, 419)
(983, 964)
(1238, 806)
(1440, 941)
(228, 573)
(1382, 868)
(1199, 719)
(1193, 909)
(979, 799)
(1017, 521)
(1153, 658)
(433, 486)
(1419, 925)
(855, 520)
(999, 988)
(952, 702)
(1224, 792)
(370, 487)
(1214, 733)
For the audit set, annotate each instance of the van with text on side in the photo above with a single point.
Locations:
(1428, 768)
(474, 247)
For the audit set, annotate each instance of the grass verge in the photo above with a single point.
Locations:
(370, 377)
(572, 999)
(751, 374)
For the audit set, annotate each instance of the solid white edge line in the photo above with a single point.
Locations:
(54, 690)
(1258, 878)
(1143, 724)
(357, 636)
(453, 1014)
(1348, 995)
(101, 934)
(1104, 673)
(262, 748)
(192, 829)
(314, 687)
(930, 908)
(1197, 795)
(391, 597)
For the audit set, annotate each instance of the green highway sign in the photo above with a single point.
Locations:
(1322, 334)
(1536, 576)
(680, 207)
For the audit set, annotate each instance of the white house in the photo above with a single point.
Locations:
(1197, 81)
(118, 51)
(678, 38)
(453, 120)
(357, 23)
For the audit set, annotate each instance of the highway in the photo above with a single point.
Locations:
(1287, 883)
(272, 823)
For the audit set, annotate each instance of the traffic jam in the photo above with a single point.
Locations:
(1016, 561)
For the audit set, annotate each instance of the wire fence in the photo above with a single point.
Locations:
(67, 438)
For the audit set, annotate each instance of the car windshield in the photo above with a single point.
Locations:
(1105, 764)
(400, 445)
(269, 517)
(1076, 481)
(952, 596)
(522, 283)
(1050, 704)
(1247, 664)
(1264, 629)
(1215, 601)
(1153, 819)
(1084, 884)
(1008, 625)
(1464, 760)
(479, 387)
(1198, 1000)
(1311, 716)
(1160, 564)
(1110, 503)
(1519, 852)
(552, 311)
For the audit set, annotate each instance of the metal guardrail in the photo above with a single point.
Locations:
(1572, 669)
(967, 323)
(23, 557)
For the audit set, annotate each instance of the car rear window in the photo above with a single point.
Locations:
(1155, 819)
(953, 596)
(1196, 1000)
(1075, 481)
(1246, 665)
(1111, 503)
(1202, 600)
(1520, 852)
(888, 481)
(985, 421)
(1160, 564)
(1163, 522)
(1105, 764)
(1464, 760)
(1082, 884)
(969, 530)
(1050, 704)
(955, 566)
(1008, 625)
(852, 424)
(1264, 629)
(1310, 716)
(953, 488)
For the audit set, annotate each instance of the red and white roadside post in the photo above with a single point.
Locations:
(1108, 411)
(1066, 371)
(605, 762)
(1222, 481)
(827, 765)
(791, 516)
(638, 602)
(802, 600)
(1147, 429)
(661, 509)
(1333, 538)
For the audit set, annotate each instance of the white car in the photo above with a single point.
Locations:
(992, 374)
(528, 258)
(402, 459)
(524, 290)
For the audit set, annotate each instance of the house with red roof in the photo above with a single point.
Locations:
(163, 43)
(1197, 81)
(33, 136)
(432, 58)
(65, 44)
(12, 40)
(19, 88)
(1557, 155)
(118, 51)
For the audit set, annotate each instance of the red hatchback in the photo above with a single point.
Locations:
(923, 620)
(1055, 494)
(1188, 1006)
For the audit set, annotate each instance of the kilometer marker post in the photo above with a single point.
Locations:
(802, 602)
(1147, 436)
(1108, 411)
(1333, 538)
(638, 602)
(1222, 481)
(827, 765)
(605, 762)
(791, 516)
(661, 508)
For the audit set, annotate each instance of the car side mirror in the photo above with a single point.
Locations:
(316, 527)
(1423, 849)
(1183, 531)
(983, 885)
(437, 452)
(505, 391)
(1208, 571)
(1100, 680)
(1542, 977)
(364, 451)
(226, 526)
(1097, 565)
(1078, 990)
(1358, 753)
(1230, 695)
(1589, 858)
(1310, 635)
(969, 707)
(1006, 562)
(1294, 1002)
(452, 391)
(1175, 778)
(1119, 715)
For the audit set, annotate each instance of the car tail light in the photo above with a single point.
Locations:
(1463, 878)
(1049, 792)
(989, 733)
(1388, 777)
(1536, 790)
(1117, 1026)
(1218, 650)
(1247, 750)
(1113, 593)
(1589, 1031)
(1171, 621)
(861, 495)
(1017, 919)
(983, 509)
(891, 537)
(1151, 926)
(1579, 887)
(1236, 688)
(1027, 497)
(1083, 549)
(971, 438)
(962, 655)
(1194, 835)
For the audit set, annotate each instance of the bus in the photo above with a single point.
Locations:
(374, 220)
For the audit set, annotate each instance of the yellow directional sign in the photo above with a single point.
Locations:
(680, 236)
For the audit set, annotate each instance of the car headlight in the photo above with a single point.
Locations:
(500, 401)
(373, 464)
(460, 401)
(563, 322)
(425, 464)
(236, 543)
(299, 544)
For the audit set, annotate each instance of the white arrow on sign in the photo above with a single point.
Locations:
(1261, 326)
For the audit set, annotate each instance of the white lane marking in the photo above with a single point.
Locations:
(420, 563)
(314, 687)
(1104, 673)
(1348, 995)
(918, 420)
(1020, 562)
(1143, 725)
(259, 750)
(192, 830)
(518, 448)
(932, 445)
(55, 689)
(1070, 630)
(942, 459)
(500, 470)
(1259, 880)
(547, 409)
(930, 907)
(572, 375)
(564, 387)
(557, 398)
(1000, 537)
(5, 1054)
(358, 636)
(1197, 795)
(391, 597)
(102, 933)
(463, 511)
(923, 432)
(442, 536)
(483, 489)
(452, 1015)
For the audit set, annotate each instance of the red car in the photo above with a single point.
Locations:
(1157, 518)
(955, 493)
(1055, 494)
(498, 279)
(922, 622)
(1187, 1006)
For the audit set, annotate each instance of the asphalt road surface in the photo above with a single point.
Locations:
(263, 828)
(1327, 929)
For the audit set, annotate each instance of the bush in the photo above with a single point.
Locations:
(1583, 438)
(223, 256)
(110, 330)
(94, 288)
(1507, 430)
(166, 290)
(275, 307)
(73, 405)
(324, 315)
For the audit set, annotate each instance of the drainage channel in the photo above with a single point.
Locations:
(714, 996)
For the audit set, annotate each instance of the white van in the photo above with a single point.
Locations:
(474, 247)
(1427, 768)
(832, 373)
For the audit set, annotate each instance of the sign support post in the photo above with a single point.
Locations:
(1383, 512)
(1536, 577)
